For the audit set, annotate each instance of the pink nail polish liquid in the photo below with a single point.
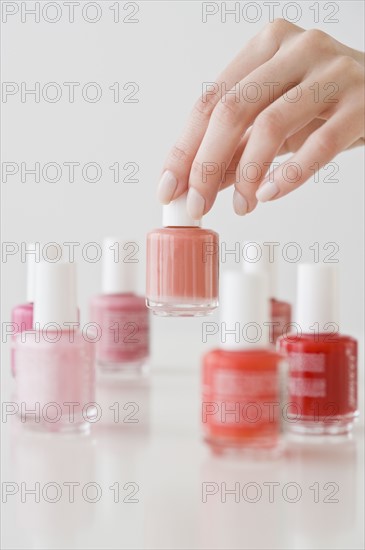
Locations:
(22, 315)
(54, 362)
(182, 265)
(120, 314)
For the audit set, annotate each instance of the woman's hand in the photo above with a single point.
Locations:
(288, 90)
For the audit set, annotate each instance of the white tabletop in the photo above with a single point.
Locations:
(170, 472)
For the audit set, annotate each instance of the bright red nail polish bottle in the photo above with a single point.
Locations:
(240, 409)
(120, 314)
(260, 258)
(322, 384)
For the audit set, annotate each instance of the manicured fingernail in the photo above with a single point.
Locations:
(195, 204)
(240, 205)
(267, 191)
(166, 187)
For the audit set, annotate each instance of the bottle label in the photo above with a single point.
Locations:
(124, 333)
(322, 385)
(241, 399)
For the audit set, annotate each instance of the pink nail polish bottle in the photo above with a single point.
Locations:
(182, 265)
(22, 315)
(120, 314)
(54, 361)
(260, 258)
(240, 402)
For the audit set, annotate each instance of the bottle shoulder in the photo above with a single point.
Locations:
(119, 300)
(181, 231)
(259, 356)
(320, 341)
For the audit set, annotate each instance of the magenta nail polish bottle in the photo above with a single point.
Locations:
(22, 315)
(54, 362)
(121, 315)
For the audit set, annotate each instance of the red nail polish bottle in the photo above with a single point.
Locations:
(260, 258)
(322, 384)
(240, 409)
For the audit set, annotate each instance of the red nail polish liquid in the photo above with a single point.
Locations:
(240, 409)
(322, 383)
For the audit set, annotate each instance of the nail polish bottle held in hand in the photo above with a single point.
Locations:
(121, 315)
(260, 258)
(322, 385)
(182, 265)
(22, 315)
(240, 410)
(54, 361)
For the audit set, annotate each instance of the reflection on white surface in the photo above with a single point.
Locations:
(151, 477)
(48, 467)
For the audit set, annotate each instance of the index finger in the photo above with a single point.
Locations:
(261, 48)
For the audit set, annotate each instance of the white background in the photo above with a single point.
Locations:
(169, 53)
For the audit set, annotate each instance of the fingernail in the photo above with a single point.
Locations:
(240, 205)
(267, 191)
(195, 204)
(166, 187)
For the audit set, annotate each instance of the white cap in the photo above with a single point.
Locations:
(34, 253)
(31, 258)
(244, 300)
(259, 257)
(175, 214)
(119, 267)
(317, 298)
(55, 294)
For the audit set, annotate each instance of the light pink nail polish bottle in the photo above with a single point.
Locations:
(54, 362)
(182, 265)
(121, 315)
(22, 315)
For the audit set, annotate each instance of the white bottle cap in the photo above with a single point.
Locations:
(120, 266)
(31, 257)
(175, 214)
(259, 257)
(244, 305)
(55, 294)
(34, 253)
(317, 298)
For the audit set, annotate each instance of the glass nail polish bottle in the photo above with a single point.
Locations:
(260, 258)
(240, 409)
(54, 361)
(182, 265)
(22, 315)
(322, 384)
(121, 315)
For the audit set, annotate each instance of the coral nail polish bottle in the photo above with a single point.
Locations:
(22, 315)
(259, 258)
(240, 409)
(121, 315)
(55, 382)
(322, 385)
(182, 265)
